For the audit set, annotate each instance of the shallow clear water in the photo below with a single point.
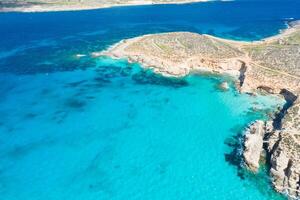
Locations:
(116, 131)
(97, 128)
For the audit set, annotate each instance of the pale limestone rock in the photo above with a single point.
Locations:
(257, 66)
(284, 148)
(224, 86)
(253, 145)
(269, 126)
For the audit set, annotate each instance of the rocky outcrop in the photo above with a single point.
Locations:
(268, 65)
(253, 144)
(271, 65)
(178, 54)
(282, 148)
(224, 86)
(284, 151)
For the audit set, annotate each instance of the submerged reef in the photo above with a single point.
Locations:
(270, 66)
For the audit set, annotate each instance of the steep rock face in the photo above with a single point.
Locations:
(285, 154)
(283, 150)
(253, 144)
(271, 65)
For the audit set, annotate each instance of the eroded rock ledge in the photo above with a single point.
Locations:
(271, 65)
(282, 149)
(253, 145)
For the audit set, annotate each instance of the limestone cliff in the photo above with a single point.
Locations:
(271, 65)
(284, 150)
(181, 53)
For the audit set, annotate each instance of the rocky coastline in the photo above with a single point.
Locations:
(73, 5)
(271, 65)
(280, 148)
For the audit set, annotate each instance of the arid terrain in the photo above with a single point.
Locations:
(271, 65)
(64, 5)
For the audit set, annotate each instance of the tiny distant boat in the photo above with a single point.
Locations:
(289, 18)
(80, 55)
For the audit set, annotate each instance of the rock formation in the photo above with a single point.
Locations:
(284, 151)
(271, 65)
(265, 65)
(224, 86)
(253, 144)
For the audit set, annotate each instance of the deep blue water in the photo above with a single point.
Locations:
(48, 36)
(96, 128)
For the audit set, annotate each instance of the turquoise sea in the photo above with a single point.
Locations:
(102, 129)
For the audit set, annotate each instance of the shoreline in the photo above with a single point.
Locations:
(256, 66)
(291, 28)
(78, 7)
(160, 65)
(270, 65)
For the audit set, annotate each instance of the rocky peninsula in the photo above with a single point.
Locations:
(67, 5)
(271, 65)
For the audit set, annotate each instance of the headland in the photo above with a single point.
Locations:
(271, 66)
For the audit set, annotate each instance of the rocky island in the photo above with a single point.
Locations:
(64, 5)
(271, 65)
